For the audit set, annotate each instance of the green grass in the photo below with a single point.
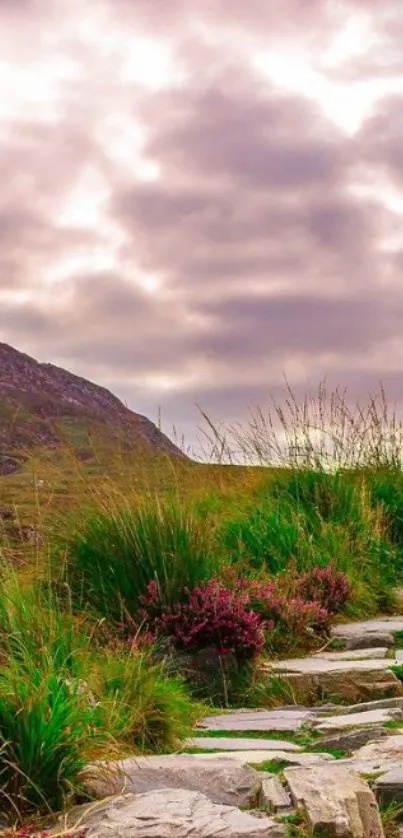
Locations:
(312, 519)
(141, 706)
(114, 556)
(64, 701)
(272, 766)
(113, 522)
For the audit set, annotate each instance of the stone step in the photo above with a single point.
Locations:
(334, 678)
(265, 721)
(226, 743)
(361, 635)
(370, 717)
(336, 803)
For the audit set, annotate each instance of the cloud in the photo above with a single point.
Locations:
(182, 228)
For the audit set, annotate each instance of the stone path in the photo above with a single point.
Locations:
(225, 743)
(264, 721)
(332, 762)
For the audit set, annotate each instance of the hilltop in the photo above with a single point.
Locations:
(44, 406)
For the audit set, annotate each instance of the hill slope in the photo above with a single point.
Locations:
(42, 405)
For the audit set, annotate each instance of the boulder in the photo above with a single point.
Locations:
(390, 749)
(348, 685)
(225, 781)
(172, 813)
(336, 802)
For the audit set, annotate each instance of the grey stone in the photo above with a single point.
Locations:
(225, 743)
(370, 717)
(229, 782)
(389, 787)
(256, 758)
(173, 813)
(336, 802)
(317, 665)
(348, 685)
(351, 739)
(266, 721)
(355, 654)
(274, 796)
(382, 703)
(390, 749)
(369, 633)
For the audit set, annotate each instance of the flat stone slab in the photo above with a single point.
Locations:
(371, 705)
(172, 813)
(226, 743)
(350, 740)
(371, 717)
(354, 654)
(256, 758)
(336, 803)
(266, 721)
(377, 632)
(229, 782)
(319, 665)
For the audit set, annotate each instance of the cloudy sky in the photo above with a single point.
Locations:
(199, 197)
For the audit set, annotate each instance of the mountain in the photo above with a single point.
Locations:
(44, 406)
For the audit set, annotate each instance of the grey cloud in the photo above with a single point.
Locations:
(254, 190)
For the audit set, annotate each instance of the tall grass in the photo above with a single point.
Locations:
(311, 519)
(141, 706)
(323, 430)
(114, 555)
(64, 701)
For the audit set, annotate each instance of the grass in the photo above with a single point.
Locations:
(392, 818)
(272, 766)
(112, 559)
(64, 701)
(320, 484)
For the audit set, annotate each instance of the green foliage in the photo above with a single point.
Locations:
(62, 702)
(387, 491)
(45, 735)
(140, 706)
(310, 519)
(115, 554)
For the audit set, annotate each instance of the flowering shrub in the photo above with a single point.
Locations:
(327, 586)
(212, 616)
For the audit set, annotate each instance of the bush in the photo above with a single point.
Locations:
(113, 557)
(326, 586)
(211, 616)
(288, 622)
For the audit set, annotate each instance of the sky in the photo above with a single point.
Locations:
(202, 197)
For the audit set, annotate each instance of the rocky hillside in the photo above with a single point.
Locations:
(42, 405)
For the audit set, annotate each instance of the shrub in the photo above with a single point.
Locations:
(112, 558)
(326, 586)
(211, 616)
(288, 622)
